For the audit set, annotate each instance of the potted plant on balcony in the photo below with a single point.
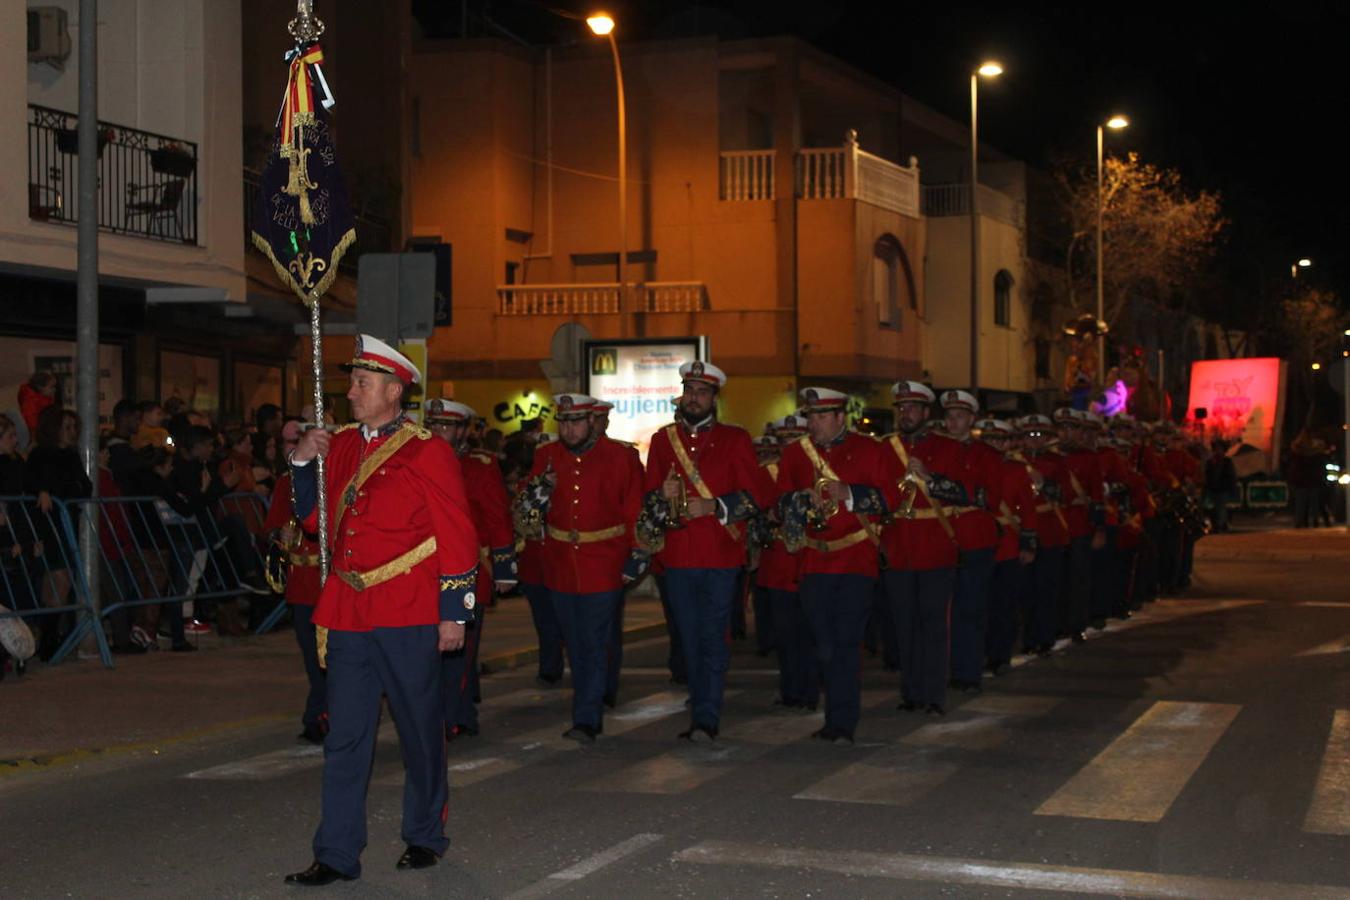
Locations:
(68, 140)
(172, 158)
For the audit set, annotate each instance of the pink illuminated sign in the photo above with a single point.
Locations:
(1243, 400)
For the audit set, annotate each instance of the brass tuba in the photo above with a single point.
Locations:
(277, 564)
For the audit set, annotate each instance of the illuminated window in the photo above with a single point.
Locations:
(1003, 283)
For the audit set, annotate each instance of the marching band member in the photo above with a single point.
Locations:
(400, 592)
(833, 485)
(1045, 468)
(491, 514)
(702, 482)
(1086, 514)
(1012, 496)
(586, 490)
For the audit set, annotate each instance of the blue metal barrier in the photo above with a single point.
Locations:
(39, 560)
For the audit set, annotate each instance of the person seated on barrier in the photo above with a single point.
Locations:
(56, 473)
(163, 556)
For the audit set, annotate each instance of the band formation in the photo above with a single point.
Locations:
(947, 545)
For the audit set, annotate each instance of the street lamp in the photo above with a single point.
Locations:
(602, 25)
(1303, 263)
(1115, 123)
(987, 69)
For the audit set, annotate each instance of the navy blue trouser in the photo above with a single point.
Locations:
(586, 620)
(1008, 587)
(547, 629)
(315, 703)
(765, 634)
(798, 671)
(1106, 575)
(614, 651)
(1041, 601)
(700, 604)
(675, 660)
(970, 613)
(1145, 584)
(921, 607)
(1128, 561)
(836, 607)
(403, 665)
(459, 679)
(1075, 609)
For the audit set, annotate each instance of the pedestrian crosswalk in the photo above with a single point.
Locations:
(1133, 767)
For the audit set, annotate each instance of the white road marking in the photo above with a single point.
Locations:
(983, 872)
(585, 867)
(1330, 809)
(1340, 645)
(899, 775)
(1141, 773)
(265, 765)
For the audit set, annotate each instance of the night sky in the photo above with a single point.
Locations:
(1242, 98)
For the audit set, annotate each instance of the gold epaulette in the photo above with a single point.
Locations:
(348, 427)
(418, 431)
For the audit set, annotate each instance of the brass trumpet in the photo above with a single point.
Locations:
(909, 492)
(678, 506)
(824, 507)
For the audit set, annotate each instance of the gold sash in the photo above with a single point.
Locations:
(369, 466)
(843, 543)
(823, 467)
(399, 565)
(586, 537)
(938, 512)
(691, 474)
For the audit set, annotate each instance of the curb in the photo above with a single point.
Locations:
(514, 659)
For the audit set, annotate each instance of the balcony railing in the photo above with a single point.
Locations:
(600, 299)
(831, 173)
(954, 200)
(372, 235)
(147, 182)
(747, 175)
(825, 173)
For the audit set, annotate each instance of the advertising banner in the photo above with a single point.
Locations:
(1243, 401)
(640, 378)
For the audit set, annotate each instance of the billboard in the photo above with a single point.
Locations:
(1243, 400)
(639, 377)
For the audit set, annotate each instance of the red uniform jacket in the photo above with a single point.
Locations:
(491, 514)
(1185, 467)
(1082, 491)
(975, 466)
(1012, 496)
(920, 543)
(415, 494)
(777, 567)
(724, 459)
(1151, 464)
(1113, 467)
(1051, 517)
(599, 489)
(857, 460)
(302, 580)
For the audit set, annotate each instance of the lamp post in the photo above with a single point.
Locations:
(1114, 123)
(989, 69)
(1345, 427)
(1303, 263)
(603, 26)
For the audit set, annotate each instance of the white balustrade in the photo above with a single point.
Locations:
(599, 299)
(747, 175)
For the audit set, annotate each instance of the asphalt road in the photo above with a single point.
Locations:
(1200, 750)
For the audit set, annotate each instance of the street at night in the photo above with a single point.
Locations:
(1196, 750)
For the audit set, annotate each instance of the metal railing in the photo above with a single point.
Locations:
(600, 298)
(746, 175)
(373, 235)
(954, 200)
(40, 565)
(147, 182)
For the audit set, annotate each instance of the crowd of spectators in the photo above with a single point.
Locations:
(164, 470)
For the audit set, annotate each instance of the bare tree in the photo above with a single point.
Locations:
(1158, 237)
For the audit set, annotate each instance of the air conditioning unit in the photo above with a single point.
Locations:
(48, 36)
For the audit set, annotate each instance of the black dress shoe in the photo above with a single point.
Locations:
(582, 734)
(699, 734)
(825, 734)
(317, 875)
(1098, 624)
(908, 706)
(935, 710)
(610, 700)
(548, 680)
(1079, 637)
(312, 733)
(417, 858)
